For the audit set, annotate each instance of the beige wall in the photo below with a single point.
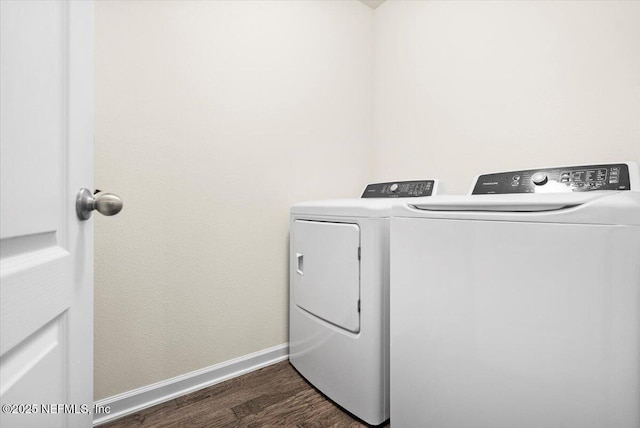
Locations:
(469, 87)
(212, 118)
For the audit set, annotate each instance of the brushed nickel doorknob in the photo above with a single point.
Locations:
(105, 203)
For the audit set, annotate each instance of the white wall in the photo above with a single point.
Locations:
(469, 87)
(212, 118)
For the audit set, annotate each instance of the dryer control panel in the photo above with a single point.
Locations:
(399, 189)
(555, 180)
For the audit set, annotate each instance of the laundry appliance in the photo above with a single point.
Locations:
(518, 305)
(339, 294)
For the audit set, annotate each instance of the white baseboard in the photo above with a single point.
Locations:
(147, 396)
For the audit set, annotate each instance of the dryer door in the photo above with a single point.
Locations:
(326, 271)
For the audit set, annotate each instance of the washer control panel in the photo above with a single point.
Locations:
(555, 180)
(399, 189)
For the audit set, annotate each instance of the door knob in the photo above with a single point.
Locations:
(104, 203)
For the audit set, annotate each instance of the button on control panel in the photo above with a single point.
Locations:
(539, 178)
(399, 189)
(563, 179)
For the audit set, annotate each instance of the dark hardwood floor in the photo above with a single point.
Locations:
(274, 396)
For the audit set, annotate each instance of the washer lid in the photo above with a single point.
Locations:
(603, 207)
(510, 203)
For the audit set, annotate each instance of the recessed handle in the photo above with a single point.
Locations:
(105, 203)
(300, 263)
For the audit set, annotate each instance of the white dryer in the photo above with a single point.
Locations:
(339, 295)
(519, 305)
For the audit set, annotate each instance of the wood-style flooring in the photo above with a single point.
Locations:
(274, 396)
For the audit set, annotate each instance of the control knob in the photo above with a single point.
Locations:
(539, 178)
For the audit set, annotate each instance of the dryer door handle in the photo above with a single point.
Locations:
(300, 263)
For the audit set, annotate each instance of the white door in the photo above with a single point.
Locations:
(326, 282)
(46, 266)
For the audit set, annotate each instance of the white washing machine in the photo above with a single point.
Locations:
(519, 305)
(339, 295)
